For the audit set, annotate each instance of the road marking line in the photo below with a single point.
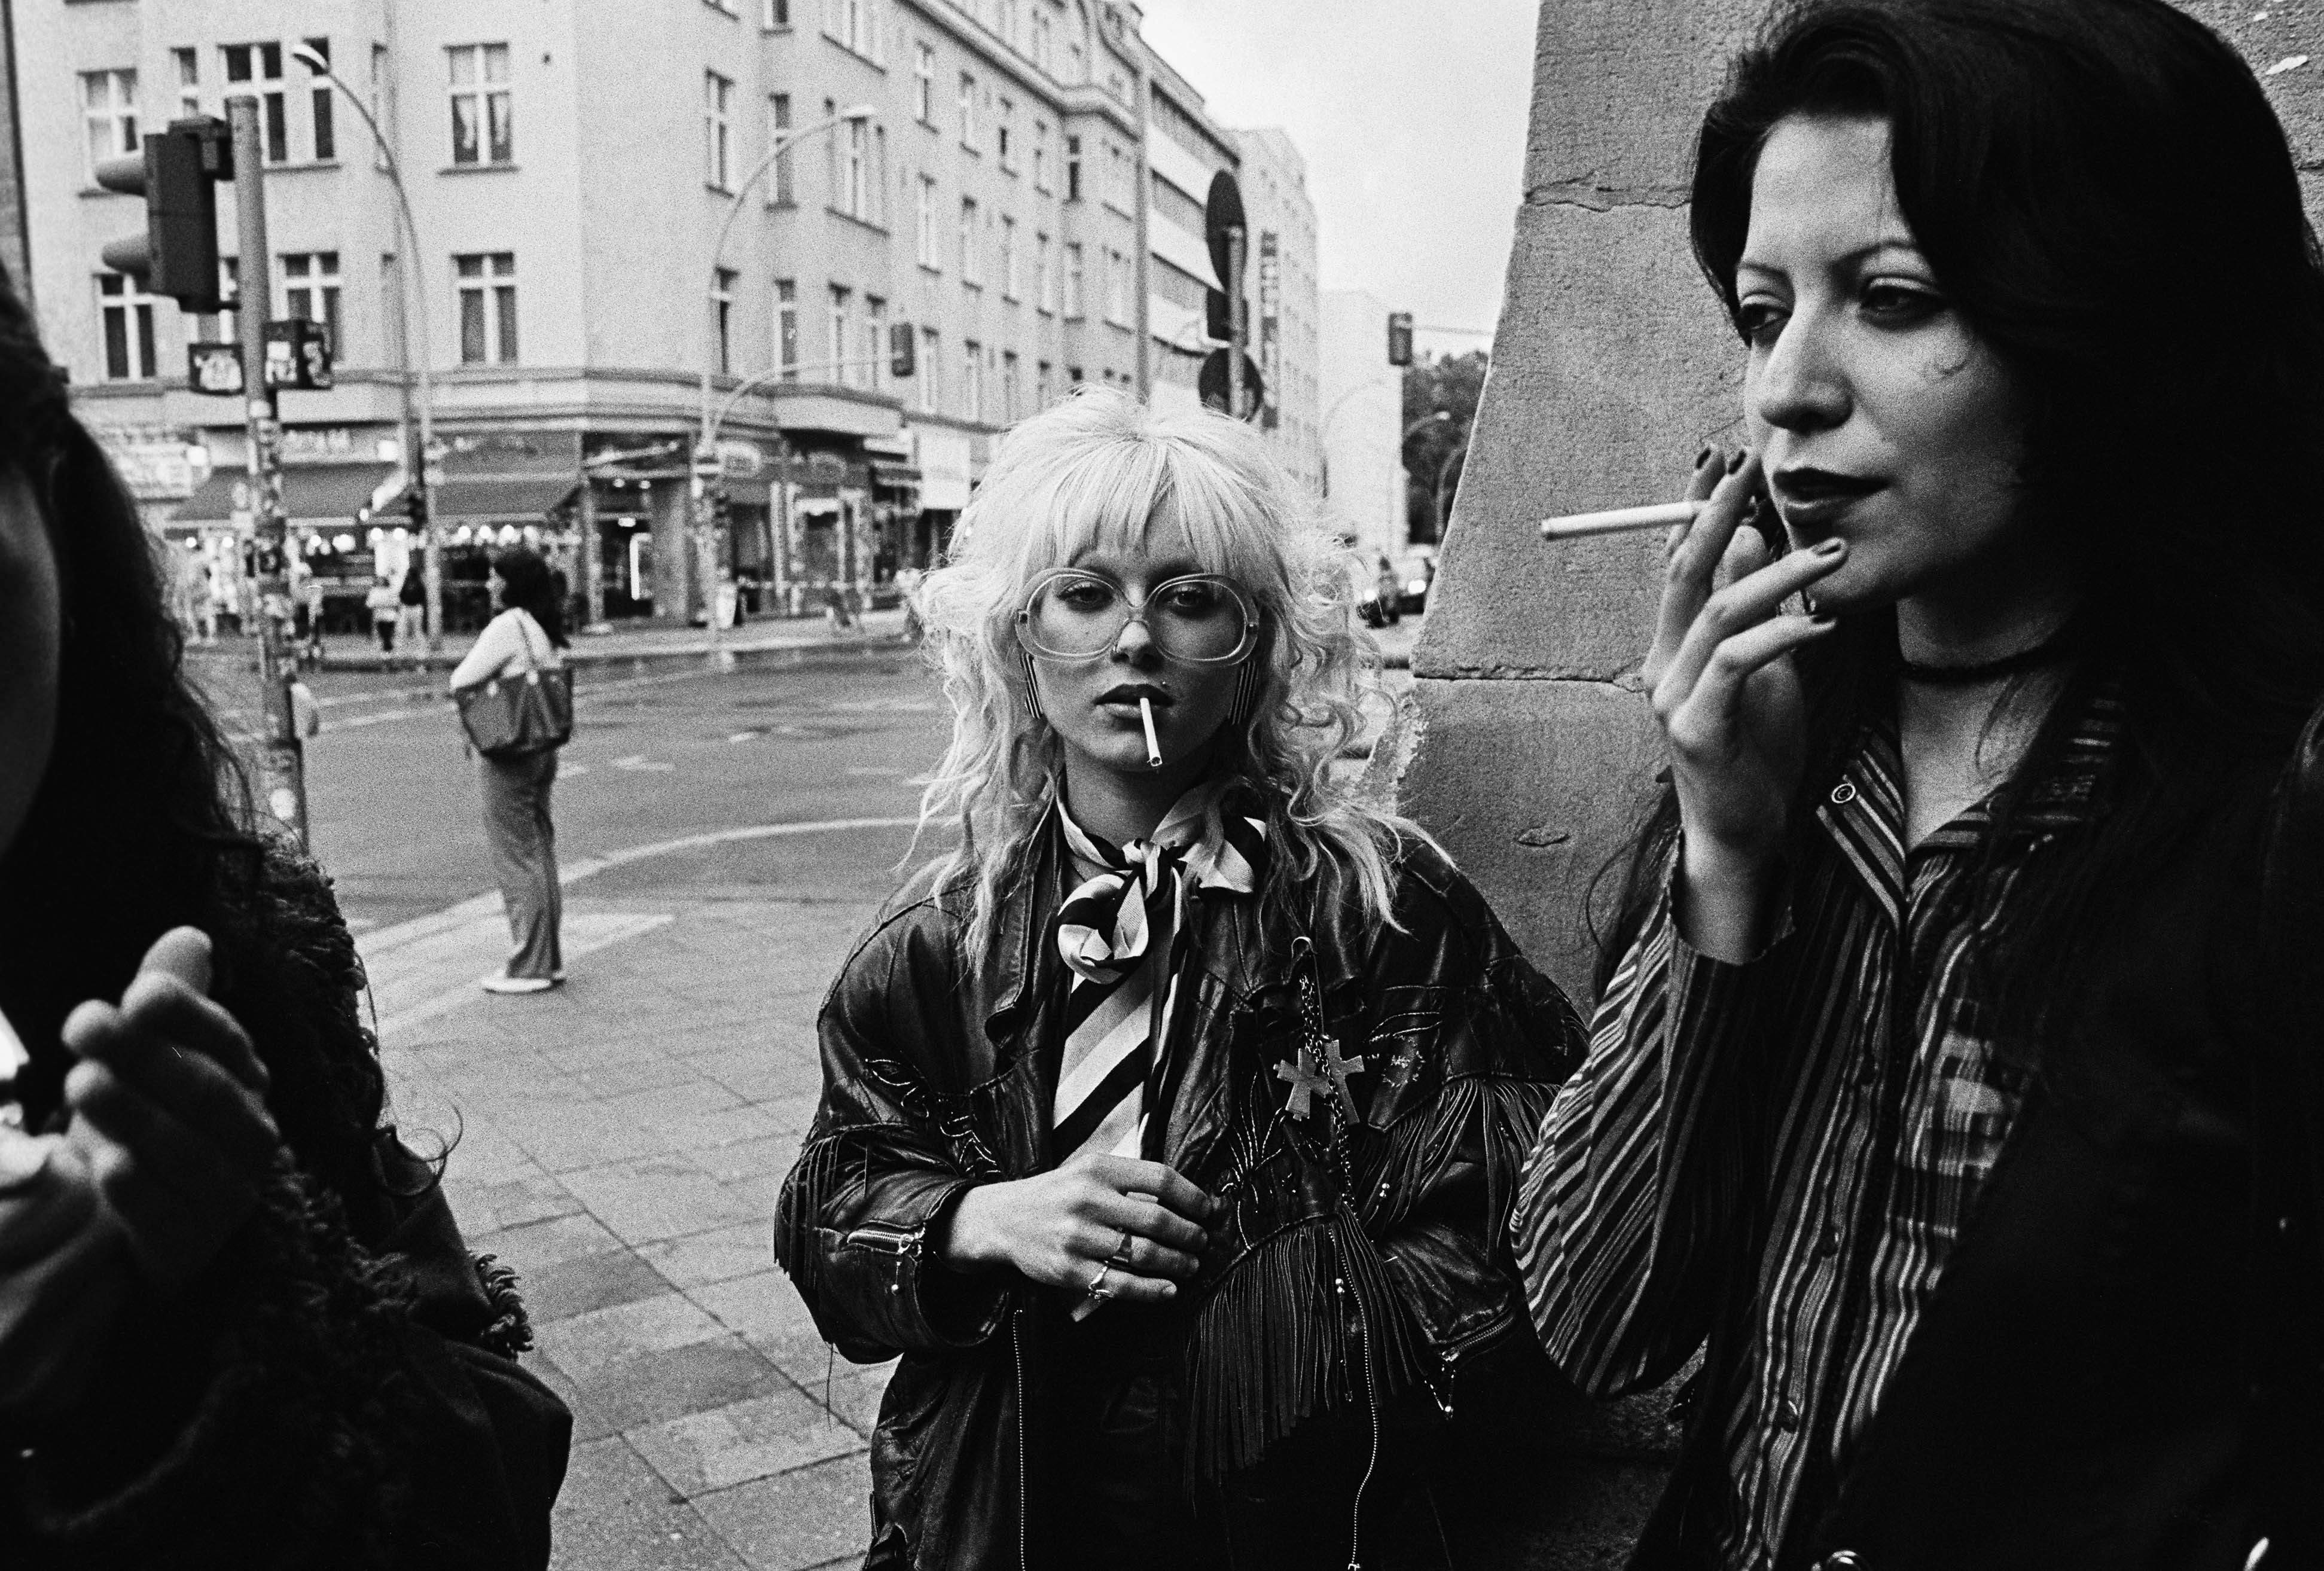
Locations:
(639, 762)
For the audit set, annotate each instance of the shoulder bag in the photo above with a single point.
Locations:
(519, 714)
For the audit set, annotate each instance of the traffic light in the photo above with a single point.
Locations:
(900, 360)
(1399, 338)
(176, 172)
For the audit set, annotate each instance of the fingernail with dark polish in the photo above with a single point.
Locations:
(1830, 548)
(1735, 461)
(1703, 458)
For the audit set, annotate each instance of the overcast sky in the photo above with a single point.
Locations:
(1412, 119)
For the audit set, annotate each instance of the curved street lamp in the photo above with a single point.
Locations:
(706, 529)
(431, 535)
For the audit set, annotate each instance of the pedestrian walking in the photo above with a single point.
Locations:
(238, 1324)
(385, 610)
(1953, 1087)
(527, 636)
(411, 608)
(1168, 1124)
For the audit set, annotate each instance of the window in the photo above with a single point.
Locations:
(327, 139)
(1073, 169)
(109, 110)
(969, 272)
(931, 373)
(1041, 39)
(310, 290)
(262, 64)
(717, 131)
(487, 286)
(776, 14)
(879, 177)
(1008, 23)
(1117, 288)
(1004, 126)
(188, 64)
(483, 129)
(781, 192)
(1074, 377)
(1073, 284)
(1119, 182)
(841, 312)
(1008, 385)
(1010, 284)
(721, 305)
(1178, 207)
(854, 24)
(786, 336)
(967, 110)
(1041, 386)
(382, 101)
(925, 223)
(924, 84)
(1040, 155)
(1044, 278)
(128, 313)
(972, 386)
(875, 328)
(854, 198)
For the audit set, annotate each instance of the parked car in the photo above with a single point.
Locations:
(1414, 576)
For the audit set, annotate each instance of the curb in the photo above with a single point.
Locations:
(582, 654)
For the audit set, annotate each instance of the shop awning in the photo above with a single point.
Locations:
(494, 498)
(894, 475)
(323, 493)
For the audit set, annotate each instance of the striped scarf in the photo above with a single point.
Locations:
(1123, 933)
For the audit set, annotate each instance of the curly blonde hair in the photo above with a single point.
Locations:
(1102, 470)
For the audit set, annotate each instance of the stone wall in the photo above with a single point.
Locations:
(1535, 752)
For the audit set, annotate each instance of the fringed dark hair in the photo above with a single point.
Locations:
(2103, 190)
(532, 587)
(142, 820)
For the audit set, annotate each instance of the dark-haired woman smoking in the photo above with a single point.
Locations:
(1952, 1085)
(238, 1327)
(528, 635)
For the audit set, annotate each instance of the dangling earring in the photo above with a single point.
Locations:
(1032, 686)
(1246, 697)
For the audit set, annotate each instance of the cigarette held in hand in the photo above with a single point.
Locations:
(1153, 748)
(1619, 520)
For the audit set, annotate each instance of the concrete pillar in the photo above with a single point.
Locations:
(1534, 754)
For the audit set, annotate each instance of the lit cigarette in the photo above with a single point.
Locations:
(1619, 520)
(1153, 748)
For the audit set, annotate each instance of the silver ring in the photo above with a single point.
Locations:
(1097, 1288)
(1121, 1255)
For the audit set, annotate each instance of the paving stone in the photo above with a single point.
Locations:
(767, 1308)
(715, 1256)
(493, 1205)
(615, 1513)
(538, 1246)
(796, 1519)
(563, 1138)
(660, 1196)
(854, 1393)
(653, 1387)
(594, 1281)
(743, 1441)
(617, 1067)
(587, 1344)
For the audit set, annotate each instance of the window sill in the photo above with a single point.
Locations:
(508, 168)
(854, 54)
(863, 223)
(970, 149)
(932, 270)
(783, 205)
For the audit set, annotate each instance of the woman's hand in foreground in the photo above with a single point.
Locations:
(1058, 1227)
(1730, 704)
(169, 1111)
(64, 1274)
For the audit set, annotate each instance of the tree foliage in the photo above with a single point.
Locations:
(1436, 450)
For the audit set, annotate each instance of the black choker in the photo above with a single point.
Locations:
(2048, 652)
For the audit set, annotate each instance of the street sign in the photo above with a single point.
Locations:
(298, 355)
(1212, 383)
(214, 368)
(1221, 214)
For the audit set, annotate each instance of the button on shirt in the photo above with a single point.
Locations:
(1781, 1155)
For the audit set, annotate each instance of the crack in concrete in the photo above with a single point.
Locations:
(1597, 198)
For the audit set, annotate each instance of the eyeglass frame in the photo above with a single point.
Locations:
(1253, 621)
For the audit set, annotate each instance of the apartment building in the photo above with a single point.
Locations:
(570, 165)
(1284, 295)
(1361, 433)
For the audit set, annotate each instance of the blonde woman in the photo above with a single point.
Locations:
(1170, 1120)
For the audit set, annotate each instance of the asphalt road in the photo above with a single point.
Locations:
(661, 750)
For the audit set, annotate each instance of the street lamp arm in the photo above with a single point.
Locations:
(781, 145)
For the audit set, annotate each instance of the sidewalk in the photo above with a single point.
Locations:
(620, 1142)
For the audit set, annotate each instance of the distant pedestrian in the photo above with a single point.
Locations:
(1168, 1125)
(385, 611)
(527, 635)
(412, 601)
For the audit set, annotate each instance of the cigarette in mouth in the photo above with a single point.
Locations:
(1619, 520)
(1153, 748)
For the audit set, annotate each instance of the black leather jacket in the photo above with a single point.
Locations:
(938, 1072)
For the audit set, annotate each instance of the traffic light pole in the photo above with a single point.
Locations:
(282, 769)
(1237, 313)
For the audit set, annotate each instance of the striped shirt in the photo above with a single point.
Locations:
(1780, 1156)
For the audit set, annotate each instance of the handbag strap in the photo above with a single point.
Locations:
(525, 628)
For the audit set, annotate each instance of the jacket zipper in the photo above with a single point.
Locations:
(1371, 1462)
(1016, 1356)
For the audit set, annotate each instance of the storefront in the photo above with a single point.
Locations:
(329, 508)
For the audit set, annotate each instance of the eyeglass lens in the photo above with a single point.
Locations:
(1189, 619)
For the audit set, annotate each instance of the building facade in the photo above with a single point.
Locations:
(1362, 427)
(1285, 304)
(572, 166)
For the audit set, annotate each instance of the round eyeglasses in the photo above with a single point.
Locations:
(1195, 620)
